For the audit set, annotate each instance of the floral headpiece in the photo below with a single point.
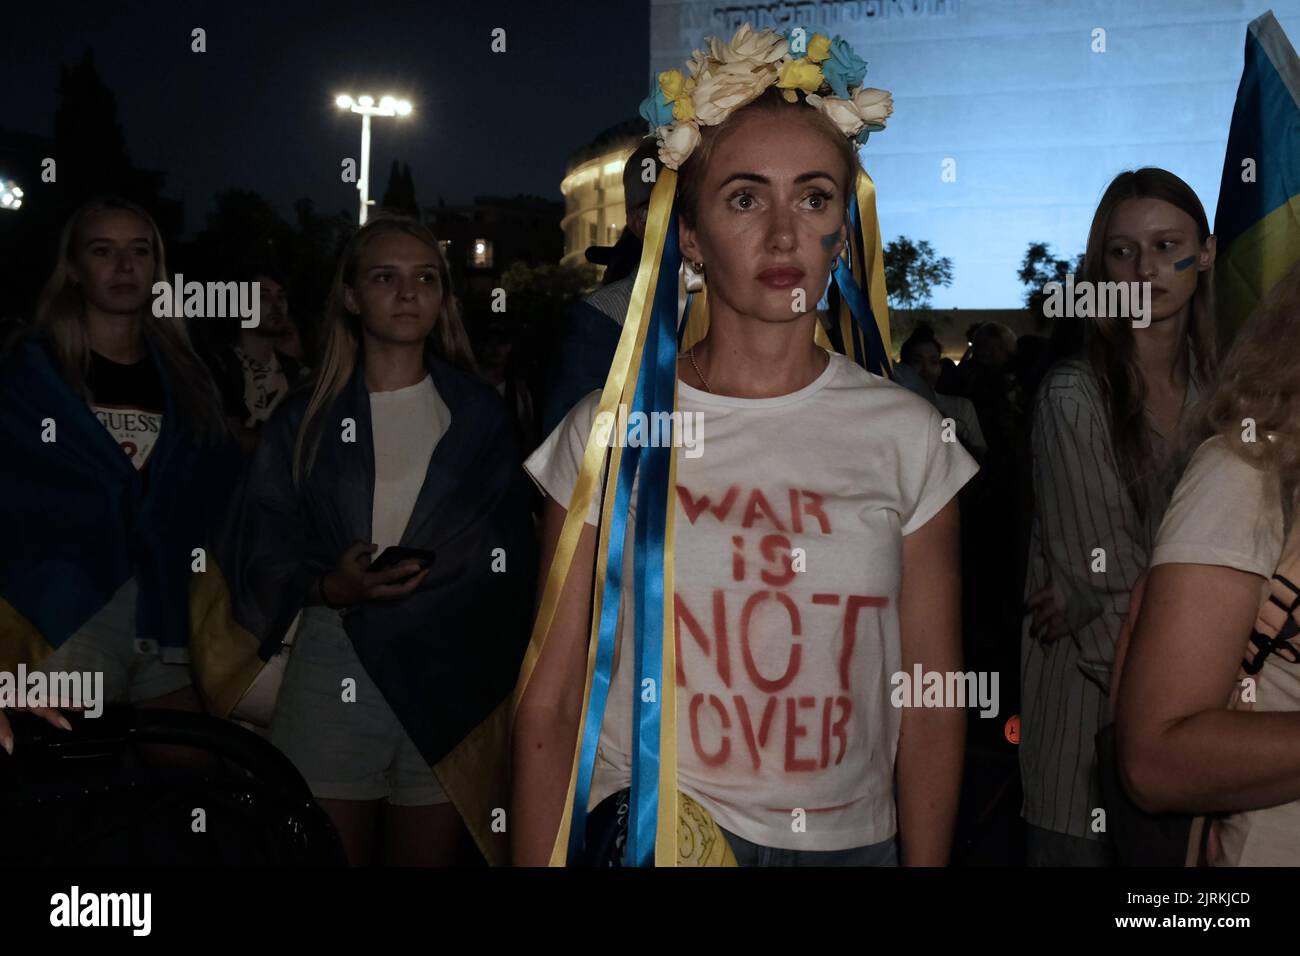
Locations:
(726, 76)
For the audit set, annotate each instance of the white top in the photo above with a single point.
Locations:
(407, 425)
(1227, 512)
(783, 686)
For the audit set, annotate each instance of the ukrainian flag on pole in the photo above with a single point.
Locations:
(1258, 219)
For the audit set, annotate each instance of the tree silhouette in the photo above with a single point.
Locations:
(243, 232)
(91, 159)
(400, 195)
(1039, 267)
(912, 271)
(90, 146)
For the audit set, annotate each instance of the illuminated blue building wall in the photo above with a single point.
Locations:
(1012, 91)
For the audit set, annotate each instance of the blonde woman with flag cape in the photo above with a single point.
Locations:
(395, 700)
(750, 483)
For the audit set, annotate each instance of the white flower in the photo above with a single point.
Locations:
(840, 112)
(677, 142)
(698, 63)
(727, 87)
(750, 45)
(868, 106)
(874, 106)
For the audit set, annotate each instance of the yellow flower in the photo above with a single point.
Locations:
(670, 82)
(790, 96)
(819, 47)
(678, 91)
(800, 75)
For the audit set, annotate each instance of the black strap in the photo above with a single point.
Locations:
(1263, 643)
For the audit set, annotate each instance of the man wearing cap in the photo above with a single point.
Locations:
(596, 322)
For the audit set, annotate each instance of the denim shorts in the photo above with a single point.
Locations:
(132, 667)
(345, 749)
(884, 853)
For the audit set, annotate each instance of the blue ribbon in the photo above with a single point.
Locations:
(870, 345)
(655, 387)
(659, 368)
(606, 636)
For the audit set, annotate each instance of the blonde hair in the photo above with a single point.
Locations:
(342, 331)
(61, 319)
(1260, 381)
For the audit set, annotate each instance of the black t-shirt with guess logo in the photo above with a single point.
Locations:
(128, 400)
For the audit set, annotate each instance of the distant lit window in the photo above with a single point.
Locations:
(482, 255)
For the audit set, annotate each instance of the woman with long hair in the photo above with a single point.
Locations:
(1218, 622)
(790, 736)
(385, 507)
(1103, 446)
(117, 459)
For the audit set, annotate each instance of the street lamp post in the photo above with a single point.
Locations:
(365, 105)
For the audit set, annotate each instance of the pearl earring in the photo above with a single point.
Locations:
(694, 278)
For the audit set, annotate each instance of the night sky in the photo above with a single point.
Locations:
(256, 111)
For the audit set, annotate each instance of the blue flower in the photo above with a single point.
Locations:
(656, 109)
(844, 68)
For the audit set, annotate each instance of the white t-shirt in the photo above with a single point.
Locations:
(783, 686)
(1228, 513)
(406, 425)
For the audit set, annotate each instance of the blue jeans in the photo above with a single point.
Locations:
(884, 853)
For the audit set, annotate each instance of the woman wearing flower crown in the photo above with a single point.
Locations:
(816, 524)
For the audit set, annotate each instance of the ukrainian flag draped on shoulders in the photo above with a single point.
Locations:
(666, 827)
(446, 655)
(1257, 223)
(78, 520)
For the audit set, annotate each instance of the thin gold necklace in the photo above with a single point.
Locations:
(698, 372)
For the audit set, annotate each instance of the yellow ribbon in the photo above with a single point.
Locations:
(620, 387)
(874, 256)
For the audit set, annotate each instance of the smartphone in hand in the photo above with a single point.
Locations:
(395, 555)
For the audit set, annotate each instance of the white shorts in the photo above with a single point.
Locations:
(132, 667)
(345, 749)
